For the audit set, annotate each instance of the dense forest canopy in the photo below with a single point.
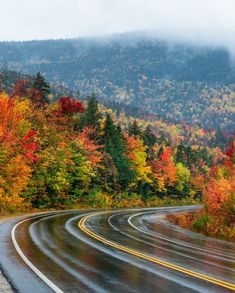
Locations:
(156, 76)
(77, 147)
(160, 134)
(11, 82)
(63, 153)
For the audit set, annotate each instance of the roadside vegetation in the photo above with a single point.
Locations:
(217, 218)
(57, 154)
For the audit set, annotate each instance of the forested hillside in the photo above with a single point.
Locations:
(11, 82)
(171, 81)
(62, 153)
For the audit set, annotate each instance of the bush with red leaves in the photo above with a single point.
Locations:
(69, 106)
(29, 147)
(21, 88)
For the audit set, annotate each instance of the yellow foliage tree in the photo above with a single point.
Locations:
(138, 156)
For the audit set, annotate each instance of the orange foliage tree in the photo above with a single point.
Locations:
(164, 170)
(219, 197)
(17, 150)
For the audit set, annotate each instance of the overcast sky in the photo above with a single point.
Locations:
(212, 20)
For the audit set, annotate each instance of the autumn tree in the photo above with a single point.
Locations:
(138, 157)
(163, 169)
(49, 185)
(142, 183)
(17, 150)
(182, 179)
(69, 106)
(219, 197)
(21, 88)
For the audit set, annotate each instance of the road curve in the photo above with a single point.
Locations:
(133, 250)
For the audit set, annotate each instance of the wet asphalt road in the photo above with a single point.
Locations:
(76, 262)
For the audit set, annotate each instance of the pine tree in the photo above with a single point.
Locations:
(134, 129)
(115, 145)
(148, 137)
(109, 131)
(41, 88)
(108, 174)
(160, 151)
(91, 118)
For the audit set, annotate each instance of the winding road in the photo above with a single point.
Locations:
(131, 250)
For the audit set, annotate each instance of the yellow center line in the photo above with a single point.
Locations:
(81, 225)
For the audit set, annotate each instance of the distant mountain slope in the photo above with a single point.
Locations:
(167, 132)
(176, 82)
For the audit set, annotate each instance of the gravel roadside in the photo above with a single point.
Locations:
(4, 285)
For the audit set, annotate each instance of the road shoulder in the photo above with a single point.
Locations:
(4, 285)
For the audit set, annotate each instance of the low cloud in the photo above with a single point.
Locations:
(209, 22)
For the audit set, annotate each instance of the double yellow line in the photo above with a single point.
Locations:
(81, 225)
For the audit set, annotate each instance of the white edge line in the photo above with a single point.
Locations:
(28, 262)
(215, 252)
(30, 265)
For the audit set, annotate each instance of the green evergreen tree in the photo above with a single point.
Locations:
(205, 156)
(148, 137)
(134, 129)
(42, 86)
(160, 151)
(108, 174)
(149, 140)
(91, 116)
(179, 156)
(115, 145)
(109, 131)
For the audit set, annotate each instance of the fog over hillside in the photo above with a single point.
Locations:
(175, 80)
(173, 48)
